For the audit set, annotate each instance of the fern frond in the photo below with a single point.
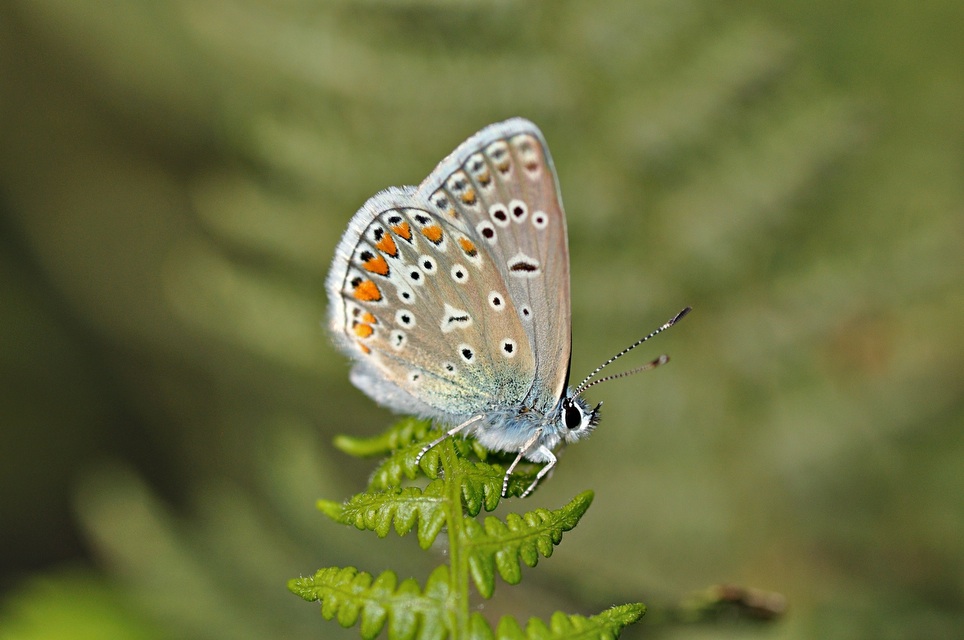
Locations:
(348, 595)
(403, 508)
(481, 485)
(604, 626)
(481, 482)
(462, 484)
(403, 433)
(497, 545)
(396, 467)
(407, 441)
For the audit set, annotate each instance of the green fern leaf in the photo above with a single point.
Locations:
(403, 442)
(348, 595)
(481, 482)
(481, 486)
(403, 433)
(498, 545)
(402, 508)
(468, 485)
(396, 467)
(520, 481)
(479, 628)
(604, 626)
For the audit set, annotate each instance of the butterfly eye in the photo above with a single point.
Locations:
(572, 415)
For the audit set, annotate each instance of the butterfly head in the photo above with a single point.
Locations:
(577, 417)
(575, 414)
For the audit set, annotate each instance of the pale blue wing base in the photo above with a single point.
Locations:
(386, 393)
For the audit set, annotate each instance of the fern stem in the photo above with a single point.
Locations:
(458, 603)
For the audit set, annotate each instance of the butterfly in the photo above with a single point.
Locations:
(452, 298)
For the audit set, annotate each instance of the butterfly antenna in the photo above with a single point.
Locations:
(585, 384)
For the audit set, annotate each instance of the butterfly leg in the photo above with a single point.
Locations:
(448, 434)
(543, 471)
(522, 452)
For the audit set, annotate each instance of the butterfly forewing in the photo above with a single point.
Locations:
(501, 185)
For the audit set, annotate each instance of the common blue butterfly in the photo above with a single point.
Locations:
(453, 300)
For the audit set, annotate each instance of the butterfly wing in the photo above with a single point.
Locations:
(502, 185)
(442, 301)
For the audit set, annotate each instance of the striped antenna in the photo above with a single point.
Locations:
(585, 384)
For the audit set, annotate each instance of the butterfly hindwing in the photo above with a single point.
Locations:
(425, 314)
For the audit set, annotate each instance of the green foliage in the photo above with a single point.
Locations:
(75, 604)
(348, 594)
(175, 176)
(460, 486)
(603, 626)
(497, 545)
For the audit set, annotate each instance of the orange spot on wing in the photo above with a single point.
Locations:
(368, 291)
(469, 196)
(468, 247)
(369, 318)
(376, 265)
(387, 246)
(362, 330)
(364, 349)
(403, 230)
(485, 178)
(433, 233)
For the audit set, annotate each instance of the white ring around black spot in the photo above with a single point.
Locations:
(459, 273)
(414, 275)
(496, 300)
(487, 230)
(405, 318)
(398, 339)
(540, 220)
(499, 214)
(518, 210)
(467, 353)
(509, 348)
(427, 264)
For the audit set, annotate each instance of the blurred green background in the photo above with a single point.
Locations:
(174, 177)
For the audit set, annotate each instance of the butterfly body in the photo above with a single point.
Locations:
(452, 297)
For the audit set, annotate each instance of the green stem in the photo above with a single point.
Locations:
(458, 558)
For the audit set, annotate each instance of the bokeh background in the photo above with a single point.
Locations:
(174, 177)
